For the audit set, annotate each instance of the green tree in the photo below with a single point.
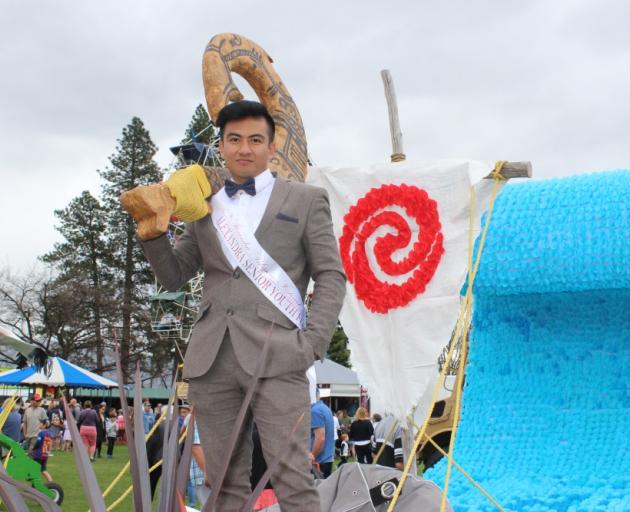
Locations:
(200, 127)
(203, 129)
(338, 348)
(131, 165)
(82, 263)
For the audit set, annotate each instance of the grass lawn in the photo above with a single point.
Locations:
(64, 472)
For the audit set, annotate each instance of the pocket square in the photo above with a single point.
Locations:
(282, 216)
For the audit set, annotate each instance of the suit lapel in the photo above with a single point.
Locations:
(278, 196)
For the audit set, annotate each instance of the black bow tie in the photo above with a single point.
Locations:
(248, 187)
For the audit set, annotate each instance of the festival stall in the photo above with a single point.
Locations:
(57, 373)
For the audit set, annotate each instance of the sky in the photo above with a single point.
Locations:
(541, 81)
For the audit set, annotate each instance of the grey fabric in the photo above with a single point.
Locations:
(305, 249)
(348, 490)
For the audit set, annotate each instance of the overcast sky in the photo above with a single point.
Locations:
(542, 81)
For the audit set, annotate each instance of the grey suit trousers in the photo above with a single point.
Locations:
(276, 406)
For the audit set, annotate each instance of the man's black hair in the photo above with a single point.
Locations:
(242, 110)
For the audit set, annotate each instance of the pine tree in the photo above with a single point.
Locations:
(338, 348)
(200, 127)
(202, 130)
(131, 165)
(81, 262)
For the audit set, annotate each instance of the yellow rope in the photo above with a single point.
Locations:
(463, 319)
(125, 468)
(171, 402)
(463, 471)
(119, 500)
(398, 157)
(8, 408)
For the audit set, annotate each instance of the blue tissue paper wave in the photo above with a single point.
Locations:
(545, 420)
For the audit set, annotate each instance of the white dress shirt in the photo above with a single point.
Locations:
(251, 208)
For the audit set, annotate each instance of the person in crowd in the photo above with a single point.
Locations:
(75, 407)
(13, 425)
(336, 429)
(148, 418)
(30, 422)
(42, 446)
(111, 432)
(184, 411)
(388, 432)
(120, 419)
(100, 429)
(344, 450)
(154, 446)
(322, 437)
(361, 432)
(56, 428)
(376, 417)
(67, 437)
(198, 487)
(87, 428)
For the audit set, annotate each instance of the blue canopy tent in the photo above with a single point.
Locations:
(58, 373)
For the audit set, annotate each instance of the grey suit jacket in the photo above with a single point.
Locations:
(296, 231)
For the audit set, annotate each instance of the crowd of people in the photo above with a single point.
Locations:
(42, 428)
(98, 425)
(361, 437)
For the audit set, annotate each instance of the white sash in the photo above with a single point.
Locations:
(245, 252)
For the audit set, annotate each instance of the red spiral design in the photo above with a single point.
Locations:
(360, 223)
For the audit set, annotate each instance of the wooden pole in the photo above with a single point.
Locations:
(515, 170)
(398, 155)
(394, 122)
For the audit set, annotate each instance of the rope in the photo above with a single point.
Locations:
(125, 468)
(463, 471)
(398, 157)
(171, 402)
(119, 500)
(463, 320)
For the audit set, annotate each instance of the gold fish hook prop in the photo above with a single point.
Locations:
(231, 53)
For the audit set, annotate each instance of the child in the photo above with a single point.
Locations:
(344, 450)
(42, 447)
(111, 429)
(67, 437)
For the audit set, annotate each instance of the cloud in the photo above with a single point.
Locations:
(538, 81)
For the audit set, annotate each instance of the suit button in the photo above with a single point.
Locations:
(237, 273)
(229, 312)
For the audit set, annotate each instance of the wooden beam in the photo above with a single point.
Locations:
(394, 122)
(515, 170)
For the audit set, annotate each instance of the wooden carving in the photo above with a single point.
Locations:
(152, 206)
(231, 53)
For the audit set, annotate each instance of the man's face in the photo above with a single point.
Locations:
(246, 148)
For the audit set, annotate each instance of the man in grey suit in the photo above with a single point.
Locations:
(239, 314)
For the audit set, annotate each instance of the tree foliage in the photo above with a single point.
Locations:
(201, 129)
(82, 263)
(131, 165)
(338, 348)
